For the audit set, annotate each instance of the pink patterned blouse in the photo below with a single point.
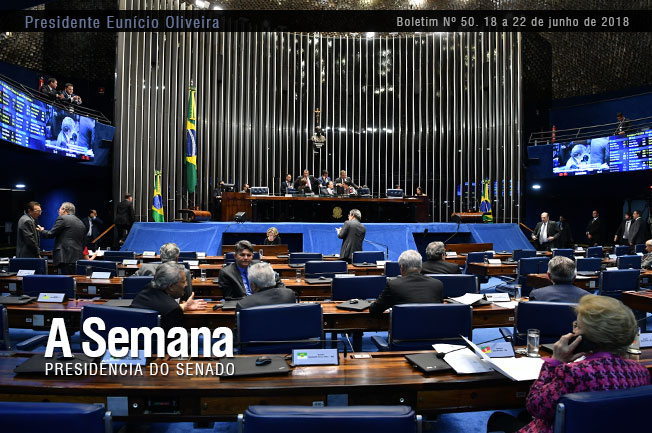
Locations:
(598, 372)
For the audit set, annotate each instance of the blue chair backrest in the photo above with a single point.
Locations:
(53, 417)
(618, 410)
(132, 285)
(39, 266)
(621, 250)
(118, 256)
(300, 258)
(588, 264)
(259, 190)
(533, 265)
(367, 256)
(394, 193)
(613, 282)
(553, 319)
(325, 268)
(594, 252)
(97, 266)
(392, 269)
(457, 284)
(564, 252)
(629, 262)
(478, 256)
(364, 191)
(377, 419)
(522, 254)
(357, 287)
(128, 318)
(639, 248)
(429, 324)
(230, 257)
(323, 191)
(188, 255)
(4, 329)
(35, 284)
(281, 322)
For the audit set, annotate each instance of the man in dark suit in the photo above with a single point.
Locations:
(410, 287)
(27, 240)
(546, 232)
(287, 183)
(561, 270)
(311, 184)
(50, 89)
(565, 239)
(623, 233)
(638, 231)
(594, 230)
(161, 295)
(92, 223)
(435, 265)
(234, 278)
(124, 218)
(69, 239)
(343, 183)
(168, 253)
(353, 233)
(262, 279)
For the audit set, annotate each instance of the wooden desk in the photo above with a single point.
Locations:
(460, 260)
(641, 301)
(486, 270)
(285, 271)
(589, 283)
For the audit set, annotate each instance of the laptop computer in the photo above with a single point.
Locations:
(16, 300)
(118, 302)
(428, 362)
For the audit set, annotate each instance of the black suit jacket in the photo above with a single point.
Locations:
(558, 293)
(230, 281)
(69, 239)
(314, 184)
(553, 230)
(638, 232)
(156, 299)
(96, 226)
(27, 240)
(439, 267)
(594, 228)
(411, 288)
(46, 89)
(565, 238)
(124, 214)
(621, 231)
(353, 233)
(343, 180)
(268, 296)
(284, 187)
(147, 269)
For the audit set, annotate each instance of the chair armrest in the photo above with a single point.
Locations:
(31, 343)
(380, 343)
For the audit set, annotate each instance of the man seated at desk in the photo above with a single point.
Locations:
(646, 263)
(435, 265)
(168, 253)
(162, 294)
(410, 287)
(234, 278)
(561, 270)
(262, 280)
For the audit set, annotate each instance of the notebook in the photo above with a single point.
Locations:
(361, 305)
(118, 302)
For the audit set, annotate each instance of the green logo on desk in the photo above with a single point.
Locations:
(302, 355)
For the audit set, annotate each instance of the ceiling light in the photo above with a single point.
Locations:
(536, 186)
(20, 185)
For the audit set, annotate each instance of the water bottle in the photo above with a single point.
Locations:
(298, 276)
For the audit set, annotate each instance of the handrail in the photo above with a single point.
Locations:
(587, 132)
(523, 225)
(103, 233)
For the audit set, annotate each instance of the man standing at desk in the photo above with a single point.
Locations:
(410, 287)
(234, 278)
(561, 271)
(27, 240)
(69, 239)
(545, 232)
(311, 184)
(594, 230)
(353, 233)
(265, 289)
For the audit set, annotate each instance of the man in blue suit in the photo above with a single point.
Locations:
(561, 270)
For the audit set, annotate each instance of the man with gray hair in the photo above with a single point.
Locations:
(353, 233)
(561, 270)
(161, 295)
(234, 278)
(69, 236)
(262, 279)
(646, 263)
(435, 263)
(168, 253)
(410, 287)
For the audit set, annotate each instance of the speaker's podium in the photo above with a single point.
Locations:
(467, 217)
(194, 215)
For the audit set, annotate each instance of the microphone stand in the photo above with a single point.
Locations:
(380, 245)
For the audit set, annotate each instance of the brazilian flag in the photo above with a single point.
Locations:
(157, 204)
(485, 203)
(191, 141)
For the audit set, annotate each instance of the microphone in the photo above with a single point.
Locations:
(378, 244)
(456, 218)
(440, 355)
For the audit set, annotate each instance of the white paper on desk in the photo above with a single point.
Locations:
(582, 277)
(516, 369)
(462, 361)
(468, 298)
(508, 304)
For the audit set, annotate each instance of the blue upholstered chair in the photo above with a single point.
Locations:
(564, 252)
(132, 285)
(594, 252)
(325, 268)
(230, 257)
(299, 419)
(639, 248)
(279, 328)
(367, 256)
(394, 193)
(97, 266)
(629, 262)
(39, 266)
(457, 284)
(553, 319)
(187, 255)
(588, 264)
(522, 254)
(621, 250)
(419, 326)
(527, 266)
(259, 190)
(392, 269)
(128, 318)
(118, 256)
(616, 281)
(621, 410)
(5, 344)
(32, 417)
(476, 257)
(364, 192)
(357, 287)
(33, 285)
(302, 258)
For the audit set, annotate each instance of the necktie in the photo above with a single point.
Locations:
(626, 234)
(90, 227)
(245, 280)
(544, 233)
(308, 183)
